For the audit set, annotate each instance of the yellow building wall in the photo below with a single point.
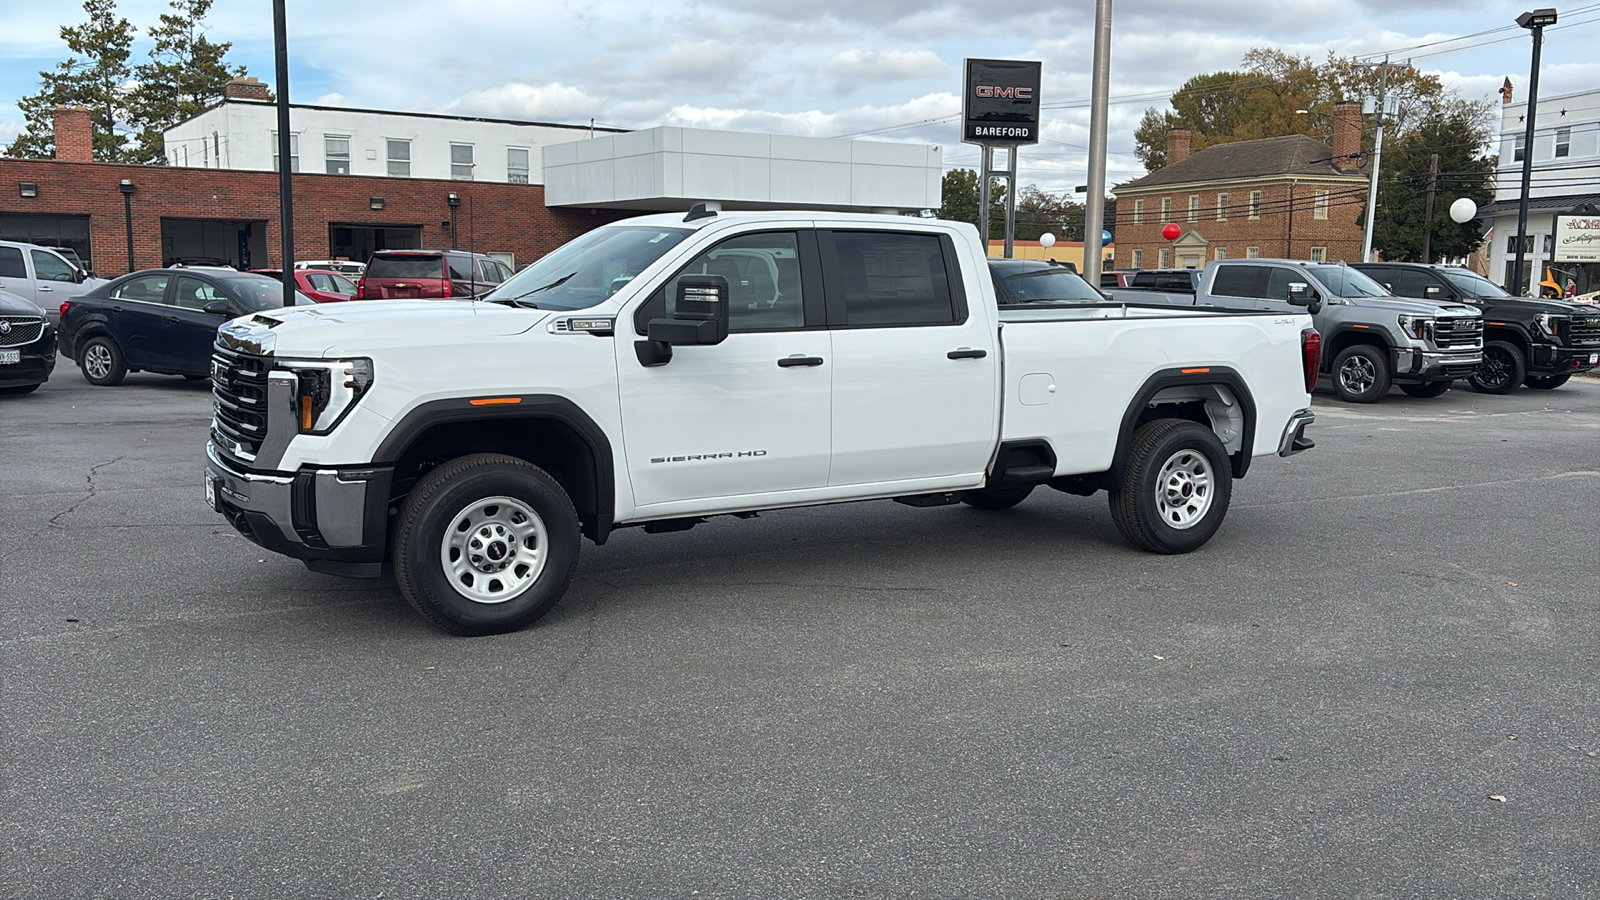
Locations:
(1062, 251)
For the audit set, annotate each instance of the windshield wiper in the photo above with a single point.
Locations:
(554, 284)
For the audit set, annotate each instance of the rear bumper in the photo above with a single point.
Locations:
(334, 520)
(1294, 438)
(1411, 364)
(1546, 359)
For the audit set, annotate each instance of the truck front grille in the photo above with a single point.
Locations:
(239, 392)
(1585, 331)
(1459, 333)
(20, 330)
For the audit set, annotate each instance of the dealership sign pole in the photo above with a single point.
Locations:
(999, 109)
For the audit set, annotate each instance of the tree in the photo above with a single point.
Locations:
(96, 76)
(186, 73)
(1458, 132)
(959, 201)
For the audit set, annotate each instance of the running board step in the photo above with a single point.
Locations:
(945, 499)
(1027, 474)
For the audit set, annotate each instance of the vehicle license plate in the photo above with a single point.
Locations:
(211, 492)
(10, 357)
(1594, 358)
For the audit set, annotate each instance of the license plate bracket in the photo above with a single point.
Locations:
(10, 357)
(211, 492)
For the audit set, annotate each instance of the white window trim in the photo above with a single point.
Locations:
(1320, 205)
(294, 150)
(1138, 212)
(388, 160)
(527, 172)
(326, 158)
(1319, 254)
(1255, 204)
(1252, 253)
(1222, 207)
(472, 167)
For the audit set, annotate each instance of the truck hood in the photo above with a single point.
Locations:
(1411, 307)
(1534, 307)
(347, 328)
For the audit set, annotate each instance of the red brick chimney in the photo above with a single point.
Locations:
(74, 134)
(1177, 145)
(1347, 136)
(245, 89)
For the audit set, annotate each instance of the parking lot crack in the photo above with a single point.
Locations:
(92, 490)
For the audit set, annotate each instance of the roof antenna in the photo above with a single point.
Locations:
(700, 211)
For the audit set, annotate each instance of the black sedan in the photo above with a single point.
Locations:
(1022, 281)
(27, 345)
(160, 320)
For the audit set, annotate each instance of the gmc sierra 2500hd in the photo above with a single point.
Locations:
(663, 369)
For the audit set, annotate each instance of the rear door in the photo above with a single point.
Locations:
(14, 273)
(915, 377)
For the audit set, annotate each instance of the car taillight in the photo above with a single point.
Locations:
(447, 292)
(1311, 349)
(64, 305)
(361, 289)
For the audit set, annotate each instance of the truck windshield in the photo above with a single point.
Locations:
(1475, 285)
(1046, 284)
(588, 269)
(1344, 281)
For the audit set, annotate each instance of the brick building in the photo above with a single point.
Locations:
(1293, 197)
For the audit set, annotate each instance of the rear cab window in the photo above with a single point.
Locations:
(877, 279)
(407, 266)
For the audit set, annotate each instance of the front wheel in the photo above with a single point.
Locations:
(1502, 370)
(1175, 487)
(486, 544)
(1547, 382)
(1361, 374)
(996, 499)
(1426, 389)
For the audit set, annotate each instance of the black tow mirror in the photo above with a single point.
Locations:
(1301, 294)
(216, 308)
(700, 318)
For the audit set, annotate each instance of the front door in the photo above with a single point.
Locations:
(749, 415)
(915, 380)
(191, 332)
(138, 310)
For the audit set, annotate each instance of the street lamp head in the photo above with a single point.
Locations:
(1539, 18)
(453, 198)
(125, 186)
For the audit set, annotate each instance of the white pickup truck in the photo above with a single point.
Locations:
(663, 369)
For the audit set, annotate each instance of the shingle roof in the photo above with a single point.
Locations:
(1539, 204)
(1296, 154)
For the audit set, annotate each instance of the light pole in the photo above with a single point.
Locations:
(1094, 207)
(1535, 22)
(280, 46)
(1377, 160)
(126, 187)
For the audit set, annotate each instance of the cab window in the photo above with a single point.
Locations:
(764, 284)
(143, 288)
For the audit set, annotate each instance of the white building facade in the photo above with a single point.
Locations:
(1566, 179)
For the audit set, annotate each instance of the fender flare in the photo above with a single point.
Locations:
(1223, 376)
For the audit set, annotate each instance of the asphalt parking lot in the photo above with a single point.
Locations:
(1379, 679)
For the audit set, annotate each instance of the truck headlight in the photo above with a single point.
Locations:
(1419, 327)
(327, 390)
(1550, 323)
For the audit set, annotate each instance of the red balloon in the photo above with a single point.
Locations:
(1170, 231)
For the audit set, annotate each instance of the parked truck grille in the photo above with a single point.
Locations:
(1585, 331)
(239, 389)
(19, 330)
(1459, 333)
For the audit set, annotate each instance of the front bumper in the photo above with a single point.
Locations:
(1294, 438)
(334, 520)
(37, 362)
(1546, 359)
(1414, 364)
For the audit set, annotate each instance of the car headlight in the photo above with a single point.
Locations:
(1419, 327)
(1550, 323)
(327, 390)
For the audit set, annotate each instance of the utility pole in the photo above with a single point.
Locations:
(1535, 22)
(1094, 205)
(1427, 217)
(1377, 159)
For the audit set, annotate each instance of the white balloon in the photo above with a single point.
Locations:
(1463, 210)
(1047, 240)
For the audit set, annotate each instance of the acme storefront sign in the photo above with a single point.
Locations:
(1577, 239)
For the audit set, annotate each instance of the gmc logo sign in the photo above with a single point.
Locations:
(1003, 93)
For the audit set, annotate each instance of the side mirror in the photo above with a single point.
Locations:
(701, 317)
(1432, 292)
(1301, 294)
(216, 308)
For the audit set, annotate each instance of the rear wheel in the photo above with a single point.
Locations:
(1426, 389)
(1175, 487)
(101, 362)
(1546, 382)
(486, 544)
(1361, 374)
(1502, 371)
(996, 498)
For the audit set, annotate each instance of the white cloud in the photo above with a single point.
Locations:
(887, 65)
(542, 102)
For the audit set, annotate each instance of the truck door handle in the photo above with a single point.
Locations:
(116, 309)
(46, 289)
(789, 362)
(967, 353)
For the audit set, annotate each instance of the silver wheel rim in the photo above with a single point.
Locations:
(494, 549)
(97, 359)
(1184, 489)
(1358, 375)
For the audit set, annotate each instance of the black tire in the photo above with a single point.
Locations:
(1502, 371)
(458, 497)
(996, 499)
(1361, 374)
(1426, 388)
(101, 361)
(1546, 382)
(19, 389)
(1143, 507)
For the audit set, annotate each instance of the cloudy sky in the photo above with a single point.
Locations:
(884, 69)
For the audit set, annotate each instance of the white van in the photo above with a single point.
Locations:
(43, 276)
